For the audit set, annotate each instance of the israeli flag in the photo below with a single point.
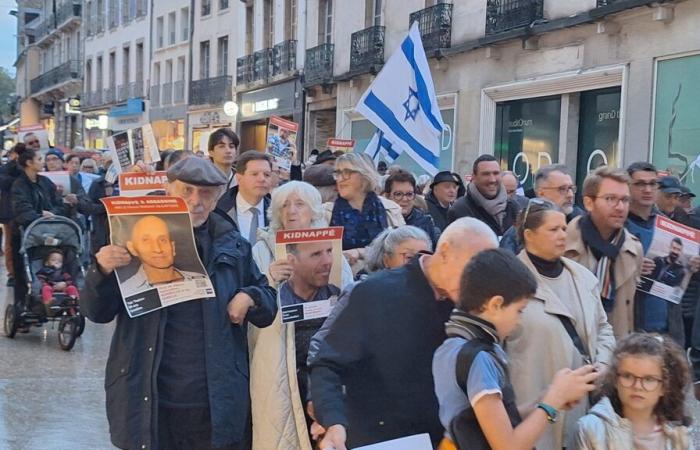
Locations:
(379, 147)
(401, 102)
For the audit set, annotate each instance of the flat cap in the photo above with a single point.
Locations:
(319, 175)
(197, 171)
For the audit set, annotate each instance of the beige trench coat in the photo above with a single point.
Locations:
(540, 347)
(627, 269)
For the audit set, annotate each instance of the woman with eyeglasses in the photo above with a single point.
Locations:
(643, 407)
(563, 326)
(400, 187)
(358, 209)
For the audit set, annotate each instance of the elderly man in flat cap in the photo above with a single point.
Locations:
(177, 378)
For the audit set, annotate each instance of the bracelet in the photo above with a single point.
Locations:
(551, 412)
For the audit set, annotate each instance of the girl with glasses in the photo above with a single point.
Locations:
(644, 403)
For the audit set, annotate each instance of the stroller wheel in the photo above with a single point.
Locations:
(67, 332)
(81, 324)
(10, 321)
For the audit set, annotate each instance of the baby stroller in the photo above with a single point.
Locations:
(40, 237)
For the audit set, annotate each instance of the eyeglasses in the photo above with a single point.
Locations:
(648, 383)
(613, 200)
(674, 196)
(644, 184)
(539, 202)
(398, 195)
(32, 143)
(563, 190)
(343, 174)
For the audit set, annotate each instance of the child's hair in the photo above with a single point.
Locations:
(675, 370)
(478, 284)
(54, 251)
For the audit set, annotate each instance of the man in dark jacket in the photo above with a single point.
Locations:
(8, 174)
(177, 378)
(401, 188)
(371, 369)
(444, 190)
(486, 198)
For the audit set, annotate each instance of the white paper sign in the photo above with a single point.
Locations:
(417, 442)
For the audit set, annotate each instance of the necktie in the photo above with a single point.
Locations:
(252, 237)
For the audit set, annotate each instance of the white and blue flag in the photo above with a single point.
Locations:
(401, 102)
(380, 148)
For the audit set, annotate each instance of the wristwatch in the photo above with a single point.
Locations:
(551, 412)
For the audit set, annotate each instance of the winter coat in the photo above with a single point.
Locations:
(627, 269)
(603, 429)
(99, 236)
(541, 346)
(227, 204)
(137, 344)
(437, 211)
(278, 413)
(30, 198)
(8, 174)
(467, 206)
(420, 219)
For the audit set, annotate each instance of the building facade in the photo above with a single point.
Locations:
(116, 67)
(27, 13)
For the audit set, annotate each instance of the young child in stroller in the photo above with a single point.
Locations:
(54, 279)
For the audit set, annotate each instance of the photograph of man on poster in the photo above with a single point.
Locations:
(669, 269)
(311, 270)
(151, 243)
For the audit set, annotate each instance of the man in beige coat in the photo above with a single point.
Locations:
(599, 241)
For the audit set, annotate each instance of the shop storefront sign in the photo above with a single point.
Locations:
(281, 100)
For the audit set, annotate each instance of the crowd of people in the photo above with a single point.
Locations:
(470, 311)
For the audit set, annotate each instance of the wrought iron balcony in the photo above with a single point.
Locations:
(122, 92)
(46, 27)
(244, 69)
(67, 11)
(504, 15)
(155, 95)
(108, 95)
(179, 94)
(71, 70)
(167, 93)
(136, 87)
(262, 64)
(95, 98)
(435, 24)
(211, 91)
(284, 58)
(367, 50)
(319, 65)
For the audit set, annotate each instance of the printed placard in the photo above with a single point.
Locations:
(337, 144)
(282, 141)
(61, 179)
(132, 146)
(674, 250)
(165, 268)
(315, 256)
(135, 184)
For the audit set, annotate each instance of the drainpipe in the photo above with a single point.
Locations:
(189, 145)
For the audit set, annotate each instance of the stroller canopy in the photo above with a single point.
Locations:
(54, 231)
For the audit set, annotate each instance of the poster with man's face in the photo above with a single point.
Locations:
(281, 141)
(165, 268)
(315, 257)
(675, 251)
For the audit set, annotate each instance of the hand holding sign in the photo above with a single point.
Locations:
(238, 307)
(111, 257)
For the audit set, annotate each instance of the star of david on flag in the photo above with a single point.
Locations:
(402, 104)
(379, 147)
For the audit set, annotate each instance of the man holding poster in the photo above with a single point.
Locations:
(281, 141)
(177, 377)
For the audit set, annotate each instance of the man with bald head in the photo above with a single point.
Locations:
(371, 378)
(151, 243)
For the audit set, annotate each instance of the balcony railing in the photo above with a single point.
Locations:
(108, 95)
(319, 65)
(155, 95)
(45, 28)
(167, 94)
(67, 11)
(504, 15)
(435, 24)
(122, 92)
(244, 69)
(262, 64)
(284, 57)
(211, 90)
(141, 8)
(136, 87)
(71, 70)
(100, 27)
(179, 94)
(367, 50)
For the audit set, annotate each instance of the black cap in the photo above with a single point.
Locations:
(324, 156)
(686, 192)
(445, 176)
(197, 171)
(670, 185)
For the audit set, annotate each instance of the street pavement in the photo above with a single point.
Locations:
(54, 400)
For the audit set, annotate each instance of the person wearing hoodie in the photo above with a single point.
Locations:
(643, 406)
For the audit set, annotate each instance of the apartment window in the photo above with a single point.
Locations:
(269, 24)
(132, 9)
(325, 21)
(206, 7)
(181, 66)
(249, 18)
(100, 74)
(204, 60)
(169, 71)
(112, 70)
(159, 32)
(141, 8)
(222, 56)
(185, 24)
(223, 4)
(113, 13)
(139, 69)
(100, 17)
(126, 65)
(373, 13)
(156, 74)
(171, 29)
(290, 22)
(125, 12)
(88, 75)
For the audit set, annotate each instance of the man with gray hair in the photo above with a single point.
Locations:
(552, 183)
(380, 343)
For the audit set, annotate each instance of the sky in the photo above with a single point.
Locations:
(8, 35)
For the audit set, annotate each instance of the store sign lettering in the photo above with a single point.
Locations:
(609, 115)
(597, 152)
(522, 157)
(209, 117)
(519, 123)
(266, 105)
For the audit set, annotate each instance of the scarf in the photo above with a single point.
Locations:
(468, 326)
(605, 252)
(360, 227)
(495, 207)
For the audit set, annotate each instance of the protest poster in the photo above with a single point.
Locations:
(281, 141)
(674, 250)
(344, 145)
(38, 130)
(136, 184)
(119, 147)
(315, 255)
(160, 273)
(61, 179)
(131, 146)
